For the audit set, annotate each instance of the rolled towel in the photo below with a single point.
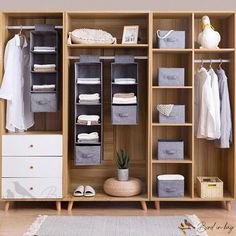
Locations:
(124, 95)
(44, 49)
(165, 109)
(125, 81)
(88, 81)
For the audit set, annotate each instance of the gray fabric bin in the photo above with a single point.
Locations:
(170, 149)
(170, 39)
(88, 155)
(170, 186)
(44, 102)
(124, 115)
(171, 77)
(177, 116)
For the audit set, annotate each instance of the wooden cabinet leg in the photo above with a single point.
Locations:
(157, 205)
(144, 205)
(6, 206)
(70, 205)
(229, 205)
(58, 205)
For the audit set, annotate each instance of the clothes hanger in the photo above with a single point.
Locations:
(221, 62)
(210, 66)
(202, 63)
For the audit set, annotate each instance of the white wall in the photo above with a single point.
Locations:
(76, 5)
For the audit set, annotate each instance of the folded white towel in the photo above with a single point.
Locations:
(88, 82)
(87, 97)
(46, 66)
(132, 100)
(125, 79)
(44, 49)
(88, 136)
(165, 109)
(44, 87)
(90, 79)
(89, 117)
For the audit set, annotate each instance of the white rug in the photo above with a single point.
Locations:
(186, 225)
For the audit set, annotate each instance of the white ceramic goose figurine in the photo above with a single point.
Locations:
(208, 38)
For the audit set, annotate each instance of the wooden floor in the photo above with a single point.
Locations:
(21, 215)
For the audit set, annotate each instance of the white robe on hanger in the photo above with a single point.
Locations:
(216, 101)
(204, 106)
(16, 85)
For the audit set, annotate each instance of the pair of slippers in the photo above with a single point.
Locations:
(86, 191)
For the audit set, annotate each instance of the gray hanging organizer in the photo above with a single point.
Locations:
(44, 100)
(89, 67)
(124, 67)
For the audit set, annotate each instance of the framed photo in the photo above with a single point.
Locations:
(130, 34)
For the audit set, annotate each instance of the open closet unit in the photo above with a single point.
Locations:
(49, 161)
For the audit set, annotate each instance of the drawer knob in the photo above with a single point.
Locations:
(31, 188)
(31, 167)
(31, 145)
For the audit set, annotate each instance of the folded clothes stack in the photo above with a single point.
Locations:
(88, 137)
(44, 87)
(44, 49)
(124, 98)
(125, 81)
(88, 119)
(45, 68)
(89, 98)
(88, 81)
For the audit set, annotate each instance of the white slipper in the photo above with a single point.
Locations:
(79, 192)
(89, 191)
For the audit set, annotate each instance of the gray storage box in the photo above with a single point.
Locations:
(171, 77)
(44, 102)
(169, 149)
(124, 115)
(177, 115)
(170, 186)
(88, 155)
(170, 39)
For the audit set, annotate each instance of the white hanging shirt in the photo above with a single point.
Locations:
(216, 102)
(16, 85)
(204, 106)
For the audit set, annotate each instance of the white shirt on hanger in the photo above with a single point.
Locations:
(16, 85)
(216, 101)
(204, 106)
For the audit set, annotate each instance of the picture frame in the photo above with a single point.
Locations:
(130, 34)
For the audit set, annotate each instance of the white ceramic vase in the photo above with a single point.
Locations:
(123, 174)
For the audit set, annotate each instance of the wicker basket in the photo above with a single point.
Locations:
(209, 187)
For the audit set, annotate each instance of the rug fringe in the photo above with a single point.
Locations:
(196, 221)
(35, 226)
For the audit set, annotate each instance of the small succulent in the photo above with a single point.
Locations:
(122, 159)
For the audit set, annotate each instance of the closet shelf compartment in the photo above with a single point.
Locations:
(185, 161)
(220, 50)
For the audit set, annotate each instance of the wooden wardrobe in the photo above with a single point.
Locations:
(202, 158)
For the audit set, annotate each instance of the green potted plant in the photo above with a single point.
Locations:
(123, 165)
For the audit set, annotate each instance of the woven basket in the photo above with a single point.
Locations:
(209, 187)
(117, 188)
(91, 36)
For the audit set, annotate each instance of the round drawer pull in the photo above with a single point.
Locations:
(31, 188)
(31, 167)
(31, 145)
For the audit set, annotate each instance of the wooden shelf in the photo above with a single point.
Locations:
(220, 50)
(227, 197)
(187, 197)
(174, 50)
(172, 87)
(185, 161)
(100, 196)
(160, 124)
(107, 46)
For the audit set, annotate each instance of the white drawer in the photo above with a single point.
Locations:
(32, 145)
(32, 167)
(18, 188)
